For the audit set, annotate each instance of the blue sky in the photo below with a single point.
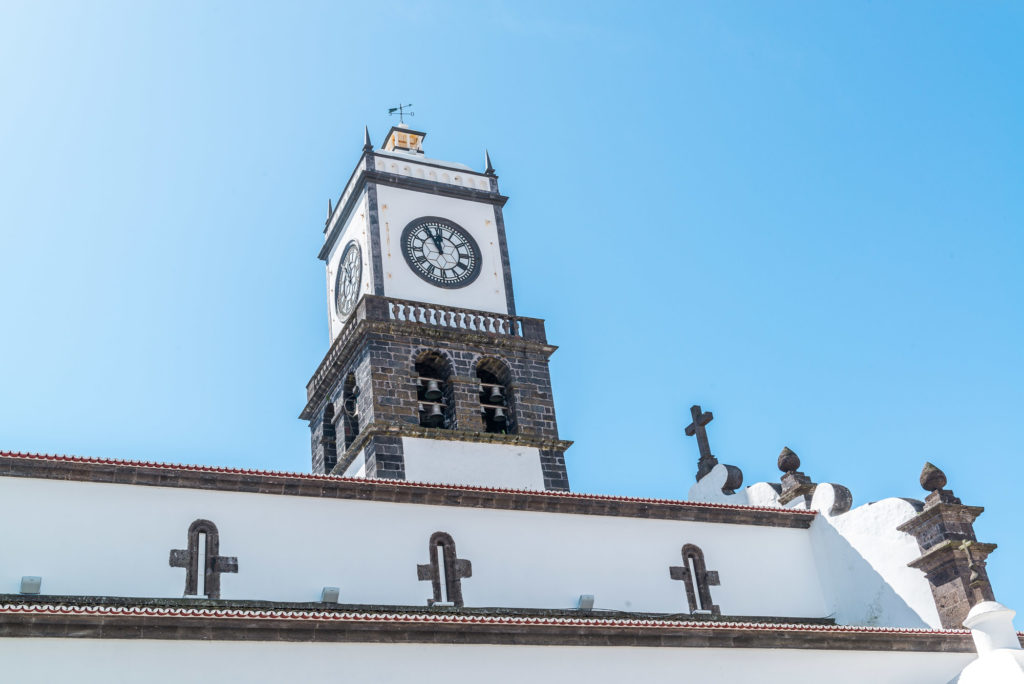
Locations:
(806, 217)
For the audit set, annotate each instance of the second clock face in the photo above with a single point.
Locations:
(350, 274)
(441, 252)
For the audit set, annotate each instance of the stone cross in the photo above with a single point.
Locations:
(975, 577)
(698, 428)
(213, 564)
(698, 583)
(455, 569)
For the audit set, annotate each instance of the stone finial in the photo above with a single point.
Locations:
(932, 479)
(330, 209)
(789, 462)
(952, 559)
(489, 170)
(367, 145)
(794, 483)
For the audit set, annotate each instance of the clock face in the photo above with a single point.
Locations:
(350, 275)
(441, 252)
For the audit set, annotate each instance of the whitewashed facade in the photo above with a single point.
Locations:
(431, 550)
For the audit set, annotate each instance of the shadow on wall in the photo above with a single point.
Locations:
(856, 592)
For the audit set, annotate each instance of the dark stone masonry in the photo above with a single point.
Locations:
(952, 558)
(379, 353)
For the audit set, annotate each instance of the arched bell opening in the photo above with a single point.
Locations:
(434, 390)
(496, 405)
(350, 410)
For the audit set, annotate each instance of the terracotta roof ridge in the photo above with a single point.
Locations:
(450, 618)
(391, 483)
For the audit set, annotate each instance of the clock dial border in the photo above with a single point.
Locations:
(414, 225)
(338, 305)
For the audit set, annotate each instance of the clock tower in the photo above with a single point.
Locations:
(431, 376)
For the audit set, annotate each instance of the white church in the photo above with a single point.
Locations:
(437, 538)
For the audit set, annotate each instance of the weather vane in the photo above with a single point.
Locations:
(402, 110)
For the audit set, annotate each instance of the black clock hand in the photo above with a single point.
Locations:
(437, 240)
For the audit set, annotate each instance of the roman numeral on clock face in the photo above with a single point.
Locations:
(441, 252)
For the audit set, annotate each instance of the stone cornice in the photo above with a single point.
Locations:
(361, 176)
(957, 511)
(80, 469)
(948, 551)
(356, 330)
(228, 622)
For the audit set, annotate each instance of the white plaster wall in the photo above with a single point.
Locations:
(357, 468)
(354, 229)
(487, 465)
(107, 539)
(397, 207)
(92, 661)
(861, 555)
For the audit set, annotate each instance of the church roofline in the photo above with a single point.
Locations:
(228, 621)
(221, 478)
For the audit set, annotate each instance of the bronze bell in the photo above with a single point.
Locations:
(499, 415)
(435, 416)
(433, 392)
(351, 410)
(496, 397)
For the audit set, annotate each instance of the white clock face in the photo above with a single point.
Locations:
(441, 252)
(350, 275)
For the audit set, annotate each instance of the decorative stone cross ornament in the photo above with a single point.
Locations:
(698, 428)
(445, 571)
(697, 579)
(211, 563)
(975, 576)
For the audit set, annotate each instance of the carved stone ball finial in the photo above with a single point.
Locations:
(789, 462)
(932, 479)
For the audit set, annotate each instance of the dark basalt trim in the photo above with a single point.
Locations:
(337, 207)
(392, 491)
(376, 257)
(340, 350)
(400, 129)
(717, 633)
(395, 180)
(506, 265)
(389, 429)
(376, 608)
